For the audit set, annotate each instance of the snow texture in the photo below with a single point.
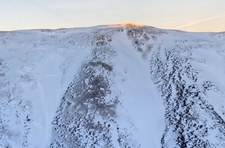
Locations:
(112, 86)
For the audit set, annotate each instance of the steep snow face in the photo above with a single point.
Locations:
(185, 69)
(108, 107)
(36, 68)
(118, 86)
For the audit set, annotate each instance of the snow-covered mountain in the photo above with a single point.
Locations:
(112, 86)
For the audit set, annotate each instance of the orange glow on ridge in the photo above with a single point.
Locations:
(127, 24)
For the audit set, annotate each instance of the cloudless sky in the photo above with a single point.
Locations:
(190, 15)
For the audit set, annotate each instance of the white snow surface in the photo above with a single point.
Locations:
(140, 97)
(37, 66)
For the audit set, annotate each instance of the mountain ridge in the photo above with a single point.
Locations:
(113, 25)
(105, 86)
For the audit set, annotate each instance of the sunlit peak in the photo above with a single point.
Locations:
(127, 24)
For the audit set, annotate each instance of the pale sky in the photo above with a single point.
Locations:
(190, 15)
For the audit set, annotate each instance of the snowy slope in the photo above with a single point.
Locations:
(112, 86)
